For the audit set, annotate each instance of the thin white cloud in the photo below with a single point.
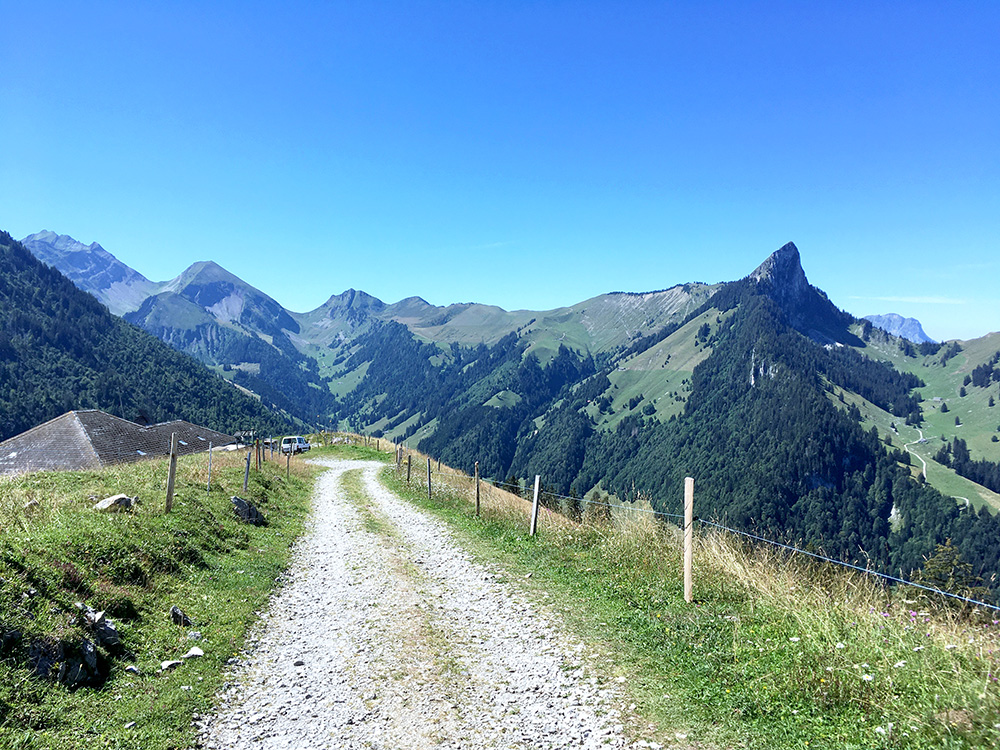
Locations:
(916, 300)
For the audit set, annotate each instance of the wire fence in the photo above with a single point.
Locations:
(518, 490)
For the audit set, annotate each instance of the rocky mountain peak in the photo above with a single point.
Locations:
(782, 270)
(808, 310)
(93, 269)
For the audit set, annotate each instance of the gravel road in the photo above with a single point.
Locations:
(387, 635)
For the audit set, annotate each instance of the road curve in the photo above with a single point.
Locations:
(919, 458)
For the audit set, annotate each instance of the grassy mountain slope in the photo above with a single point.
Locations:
(60, 349)
(945, 377)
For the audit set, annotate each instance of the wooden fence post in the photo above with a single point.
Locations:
(688, 538)
(246, 473)
(534, 509)
(208, 487)
(288, 462)
(477, 489)
(172, 471)
(408, 461)
(428, 477)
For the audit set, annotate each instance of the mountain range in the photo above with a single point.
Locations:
(797, 419)
(61, 350)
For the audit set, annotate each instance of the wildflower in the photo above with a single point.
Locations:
(900, 663)
(841, 645)
(950, 646)
(880, 730)
(794, 639)
(867, 677)
(919, 648)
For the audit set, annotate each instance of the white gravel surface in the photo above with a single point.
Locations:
(387, 635)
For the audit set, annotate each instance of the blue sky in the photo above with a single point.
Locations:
(524, 154)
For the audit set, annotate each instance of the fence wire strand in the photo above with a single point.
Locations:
(518, 490)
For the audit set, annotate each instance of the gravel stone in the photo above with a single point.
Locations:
(408, 644)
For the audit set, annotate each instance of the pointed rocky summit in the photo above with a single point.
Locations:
(782, 273)
(781, 278)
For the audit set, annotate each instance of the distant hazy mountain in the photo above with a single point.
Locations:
(897, 325)
(93, 269)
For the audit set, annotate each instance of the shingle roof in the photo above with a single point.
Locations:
(91, 439)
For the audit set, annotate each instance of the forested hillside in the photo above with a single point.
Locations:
(772, 447)
(60, 350)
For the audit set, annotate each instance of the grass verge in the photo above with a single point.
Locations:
(775, 652)
(135, 566)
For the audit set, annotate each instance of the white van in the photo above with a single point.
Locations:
(294, 444)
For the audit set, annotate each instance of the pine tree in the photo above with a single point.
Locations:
(946, 571)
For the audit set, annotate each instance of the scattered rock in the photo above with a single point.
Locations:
(130, 725)
(178, 617)
(116, 503)
(104, 630)
(166, 666)
(298, 663)
(132, 669)
(193, 653)
(71, 664)
(194, 635)
(247, 512)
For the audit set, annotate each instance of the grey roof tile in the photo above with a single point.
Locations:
(90, 439)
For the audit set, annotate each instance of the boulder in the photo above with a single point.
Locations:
(178, 617)
(247, 512)
(104, 630)
(74, 665)
(116, 503)
(43, 656)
